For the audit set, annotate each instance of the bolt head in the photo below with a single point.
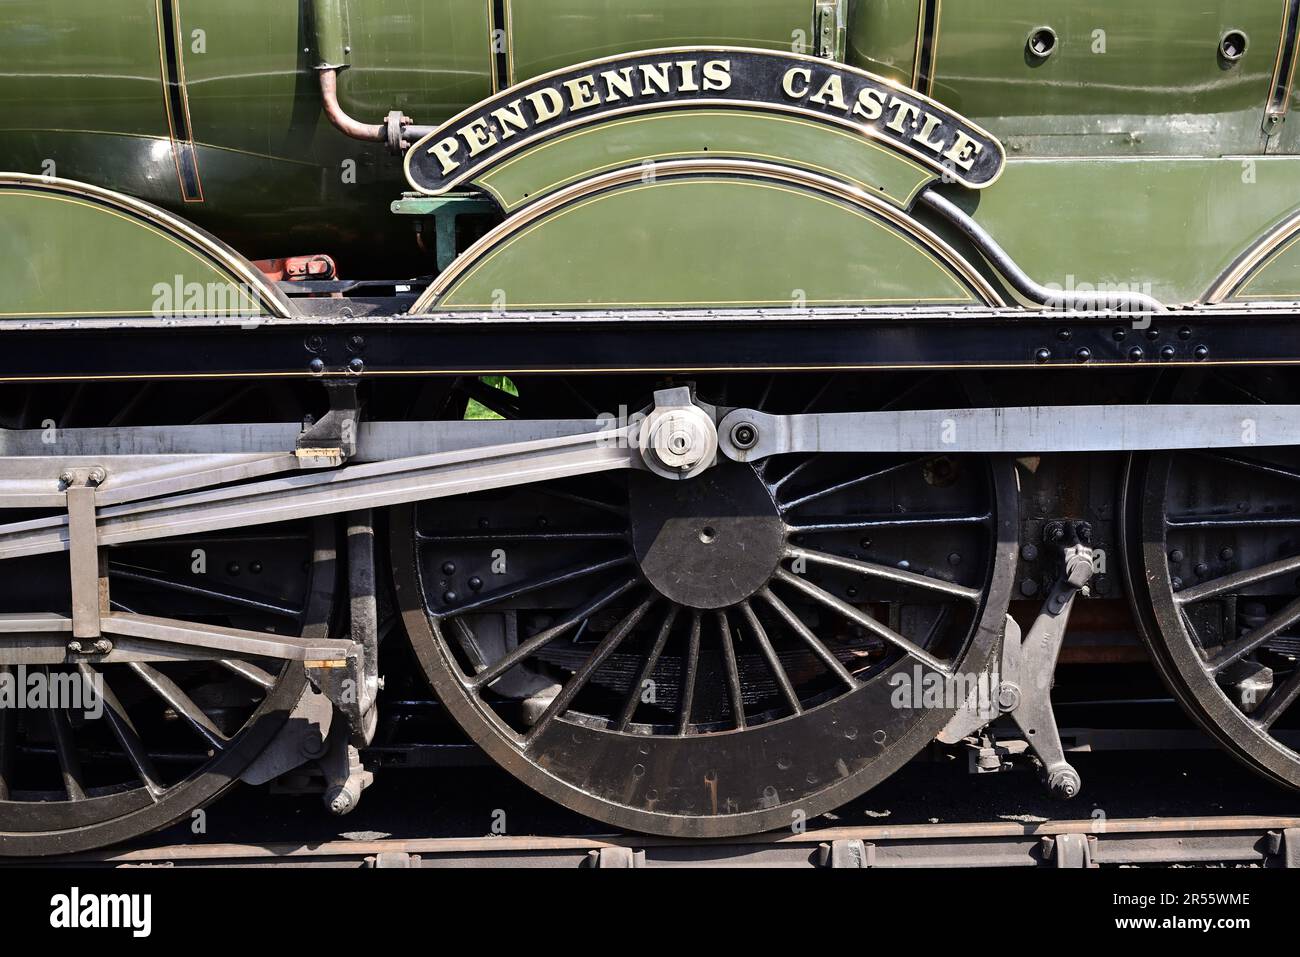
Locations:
(744, 436)
(1064, 783)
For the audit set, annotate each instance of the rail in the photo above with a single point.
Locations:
(1255, 840)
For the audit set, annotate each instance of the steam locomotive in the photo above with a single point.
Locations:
(724, 402)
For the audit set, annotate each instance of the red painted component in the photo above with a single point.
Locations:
(298, 268)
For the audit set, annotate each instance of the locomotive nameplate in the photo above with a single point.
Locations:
(475, 140)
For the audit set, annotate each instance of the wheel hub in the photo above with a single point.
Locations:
(708, 543)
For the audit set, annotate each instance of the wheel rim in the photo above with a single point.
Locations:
(607, 676)
(171, 736)
(1212, 540)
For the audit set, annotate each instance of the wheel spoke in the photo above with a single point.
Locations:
(231, 401)
(814, 643)
(689, 672)
(249, 672)
(776, 485)
(897, 576)
(490, 397)
(893, 521)
(1233, 521)
(548, 537)
(526, 649)
(1274, 626)
(8, 741)
(652, 659)
(773, 662)
(127, 573)
(125, 732)
(1277, 702)
(532, 585)
(1268, 468)
(847, 484)
(584, 500)
(733, 672)
(181, 703)
(859, 617)
(594, 661)
(1237, 580)
(65, 748)
(1234, 384)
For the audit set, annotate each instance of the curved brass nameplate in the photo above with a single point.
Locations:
(484, 135)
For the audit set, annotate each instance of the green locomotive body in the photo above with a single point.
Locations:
(213, 111)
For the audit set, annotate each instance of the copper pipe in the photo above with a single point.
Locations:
(329, 93)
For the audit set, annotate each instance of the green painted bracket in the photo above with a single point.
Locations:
(444, 211)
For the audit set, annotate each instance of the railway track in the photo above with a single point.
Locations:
(1260, 841)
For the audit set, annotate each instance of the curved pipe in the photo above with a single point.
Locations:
(329, 94)
(1020, 281)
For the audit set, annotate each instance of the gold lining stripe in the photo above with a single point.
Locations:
(1029, 363)
(689, 304)
(906, 223)
(825, 171)
(133, 221)
(934, 49)
(1241, 273)
(492, 45)
(1282, 108)
(510, 43)
(920, 39)
(926, 31)
(179, 143)
(273, 301)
